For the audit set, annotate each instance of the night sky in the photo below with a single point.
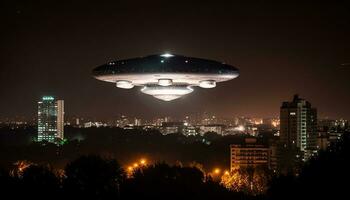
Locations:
(50, 48)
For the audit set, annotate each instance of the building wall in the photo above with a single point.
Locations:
(252, 154)
(211, 128)
(298, 123)
(60, 119)
(288, 126)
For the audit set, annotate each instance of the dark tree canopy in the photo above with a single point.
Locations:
(323, 177)
(93, 177)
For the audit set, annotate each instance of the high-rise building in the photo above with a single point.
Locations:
(50, 120)
(298, 126)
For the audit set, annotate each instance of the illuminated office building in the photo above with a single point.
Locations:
(50, 120)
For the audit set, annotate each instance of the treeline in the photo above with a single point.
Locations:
(96, 177)
(211, 149)
(93, 177)
(323, 177)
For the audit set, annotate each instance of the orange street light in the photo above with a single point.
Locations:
(227, 172)
(136, 165)
(217, 171)
(143, 161)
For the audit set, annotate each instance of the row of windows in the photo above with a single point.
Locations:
(247, 162)
(255, 155)
(250, 152)
(255, 159)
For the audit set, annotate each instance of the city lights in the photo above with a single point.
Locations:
(275, 122)
(217, 171)
(240, 128)
(143, 161)
(20, 166)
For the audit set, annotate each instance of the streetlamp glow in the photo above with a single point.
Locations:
(217, 171)
(143, 161)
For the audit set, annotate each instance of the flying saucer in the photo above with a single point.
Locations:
(166, 76)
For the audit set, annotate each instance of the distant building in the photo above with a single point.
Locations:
(241, 121)
(325, 125)
(208, 119)
(190, 131)
(298, 126)
(172, 127)
(334, 137)
(94, 124)
(122, 121)
(50, 120)
(160, 121)
(137, 122)
(253, 153)
(323, 141)
(341, 123)
(326, 139)
(338, 125)
(272, 122)
(216, 128)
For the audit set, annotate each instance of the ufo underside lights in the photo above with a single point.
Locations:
(166, 76)
(167, 93)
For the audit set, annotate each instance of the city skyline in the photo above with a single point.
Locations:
(51, 50)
